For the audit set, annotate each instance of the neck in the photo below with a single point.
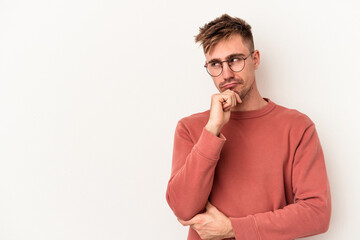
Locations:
(251, 101)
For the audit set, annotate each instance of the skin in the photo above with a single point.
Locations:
(213, 224)
(245, 95)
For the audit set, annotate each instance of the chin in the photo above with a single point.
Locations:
(239, 91)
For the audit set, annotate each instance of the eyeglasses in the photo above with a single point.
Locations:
(236, 64)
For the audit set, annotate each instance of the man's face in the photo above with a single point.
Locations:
(245, 79)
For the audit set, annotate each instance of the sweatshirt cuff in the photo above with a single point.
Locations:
(245, 228)
(210, 145)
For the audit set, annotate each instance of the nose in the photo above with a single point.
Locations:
(227, 73)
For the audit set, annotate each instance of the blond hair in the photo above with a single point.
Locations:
(224, 27)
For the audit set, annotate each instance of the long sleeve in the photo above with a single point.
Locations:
(311, 210)
(193, 168)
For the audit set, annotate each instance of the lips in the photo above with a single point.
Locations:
(230, 85)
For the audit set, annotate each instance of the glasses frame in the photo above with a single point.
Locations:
(229, 64)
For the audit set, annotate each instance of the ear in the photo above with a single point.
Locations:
(256, 57)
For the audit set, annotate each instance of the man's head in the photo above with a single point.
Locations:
(222, 28)
(228, 41)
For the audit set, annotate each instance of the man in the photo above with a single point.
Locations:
(247, 168)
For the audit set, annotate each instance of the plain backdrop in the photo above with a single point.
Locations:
(91, 92)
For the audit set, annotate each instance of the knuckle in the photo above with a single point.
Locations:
(200, 219)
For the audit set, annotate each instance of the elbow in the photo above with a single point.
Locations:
(181, 211)
(323, 220)
(183, 207)
(322, 226)
(325, 223)
(326, 216)
(185, 216)
(318, 216)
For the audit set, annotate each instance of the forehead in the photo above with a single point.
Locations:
(226, 47)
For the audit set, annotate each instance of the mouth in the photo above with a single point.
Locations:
(229, 85)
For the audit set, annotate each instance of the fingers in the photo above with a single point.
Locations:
(210, 207)
(238, 99)
(184, 223)
(229, 99)
(189, 222)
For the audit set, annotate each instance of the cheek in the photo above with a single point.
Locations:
(248, 79)
(216, 81)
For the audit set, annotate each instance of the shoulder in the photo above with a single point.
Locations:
(292, 117)
(193, 124)
(196, 118)
(293, 123)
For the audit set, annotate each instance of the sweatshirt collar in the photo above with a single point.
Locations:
(254, 113)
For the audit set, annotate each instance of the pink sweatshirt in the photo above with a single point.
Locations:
(265, 171)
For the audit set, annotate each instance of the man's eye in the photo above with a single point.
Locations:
(235, 59)
(215, 64)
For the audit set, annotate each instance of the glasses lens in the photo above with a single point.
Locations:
(214, 69)
(237, 64)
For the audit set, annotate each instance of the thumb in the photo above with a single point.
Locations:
(238, 99)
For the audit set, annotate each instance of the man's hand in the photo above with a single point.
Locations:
(211, 225)
(221, 103)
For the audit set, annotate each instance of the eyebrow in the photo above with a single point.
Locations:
(227, 58)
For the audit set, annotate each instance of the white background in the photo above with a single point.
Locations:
(91, 91)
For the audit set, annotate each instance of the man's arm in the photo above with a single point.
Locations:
(212, 224)
(193, 169)
(193, 165)
(308, 215)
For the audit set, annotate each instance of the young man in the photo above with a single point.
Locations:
(247, 168)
